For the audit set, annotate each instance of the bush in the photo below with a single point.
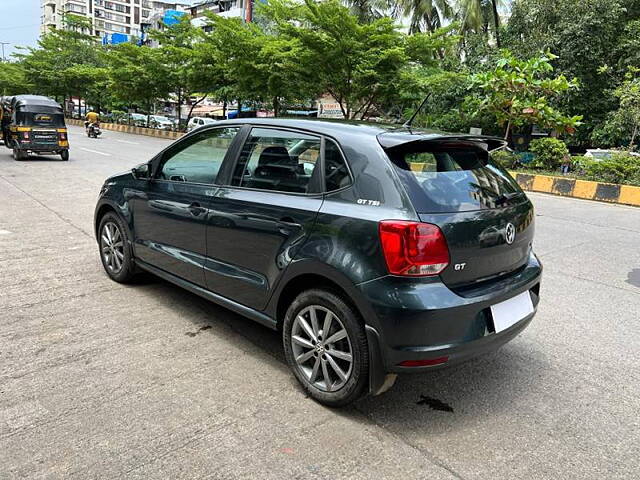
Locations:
(549, 153)
(620, 168)
(579, 164)
(505, 159)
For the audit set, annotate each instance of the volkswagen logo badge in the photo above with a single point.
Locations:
(509, 233)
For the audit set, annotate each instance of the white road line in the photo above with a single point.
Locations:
(127, 141)
(95, 151)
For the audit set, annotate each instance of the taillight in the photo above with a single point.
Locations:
(413, 248)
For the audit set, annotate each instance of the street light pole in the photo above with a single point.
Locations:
(3, 44)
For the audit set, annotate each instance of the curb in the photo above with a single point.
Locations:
(571, 187)
(150, 132)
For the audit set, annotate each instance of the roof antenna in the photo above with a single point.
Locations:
(408, 123)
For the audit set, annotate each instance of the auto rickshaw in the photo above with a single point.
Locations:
(37, 126)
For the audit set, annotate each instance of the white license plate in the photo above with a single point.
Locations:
(510, 312)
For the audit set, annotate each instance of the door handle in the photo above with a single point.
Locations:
(286, 225)
(196, 209)
(288, 221)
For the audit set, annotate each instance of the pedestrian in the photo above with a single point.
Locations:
(565, 167)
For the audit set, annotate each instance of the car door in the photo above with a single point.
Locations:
(259, 220)
(170, 218)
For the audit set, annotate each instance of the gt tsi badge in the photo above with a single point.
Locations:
(509, 233)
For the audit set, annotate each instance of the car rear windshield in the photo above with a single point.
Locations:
(445, 177)
(40, 119)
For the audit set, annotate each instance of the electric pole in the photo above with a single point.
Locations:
(3, 44)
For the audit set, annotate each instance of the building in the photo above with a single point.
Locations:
(225, 8)
(113, 21)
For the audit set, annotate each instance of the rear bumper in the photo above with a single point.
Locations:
(425, 320)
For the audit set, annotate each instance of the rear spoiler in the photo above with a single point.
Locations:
(403, 138)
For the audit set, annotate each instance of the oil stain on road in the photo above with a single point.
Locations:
(434, 404)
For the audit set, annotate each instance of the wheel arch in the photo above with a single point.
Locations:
(317, 275)
(101, 212)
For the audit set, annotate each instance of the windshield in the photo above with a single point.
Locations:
(31, 119)
(452, 177)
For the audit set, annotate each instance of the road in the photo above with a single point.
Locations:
(101, 380)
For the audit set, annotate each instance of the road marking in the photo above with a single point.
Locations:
(95, 151)
(127, 141)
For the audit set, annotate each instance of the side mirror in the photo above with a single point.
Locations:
(141, 172)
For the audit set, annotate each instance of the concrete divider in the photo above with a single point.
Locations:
(150, 132)
(571, 187)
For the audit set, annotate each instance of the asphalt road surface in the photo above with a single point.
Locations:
(101, 380)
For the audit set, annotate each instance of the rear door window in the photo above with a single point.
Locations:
(278, 160)
(336, 172)
(443, 177)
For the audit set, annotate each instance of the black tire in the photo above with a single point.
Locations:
(127, 269)
(19, 154)
(358, 378)
(64, 154)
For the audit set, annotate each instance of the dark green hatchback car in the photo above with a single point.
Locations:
(374, 251)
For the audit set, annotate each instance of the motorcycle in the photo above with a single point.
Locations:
(93, 130)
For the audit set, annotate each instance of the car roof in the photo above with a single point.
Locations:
(388, 135)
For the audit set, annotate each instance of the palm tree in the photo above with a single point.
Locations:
(425, 15)
(368, 10)
(477, 15)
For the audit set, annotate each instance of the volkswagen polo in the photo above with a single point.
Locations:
(373, 250)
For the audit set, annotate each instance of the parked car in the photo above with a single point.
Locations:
(135, 119)
(195, 122)
(328, 232)
(599, 154)
(161, 122)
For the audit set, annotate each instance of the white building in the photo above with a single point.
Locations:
(108, 17)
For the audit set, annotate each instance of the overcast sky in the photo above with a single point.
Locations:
(19, 23)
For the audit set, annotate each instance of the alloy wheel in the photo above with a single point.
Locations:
(322, 348)
(112, 247)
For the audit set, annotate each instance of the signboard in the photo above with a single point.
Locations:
(330, 110)
(475, 131)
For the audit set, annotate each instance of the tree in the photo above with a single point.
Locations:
(177, 46)
(54, 64)
(480, 16)
(12, 79)
(518, 92)
(138, 75)
(425, 15)
(352, 61)
(623, 124)
(583, 34)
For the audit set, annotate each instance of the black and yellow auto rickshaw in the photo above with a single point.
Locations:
(37, 126)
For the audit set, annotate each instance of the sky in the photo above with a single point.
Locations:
(19, 23)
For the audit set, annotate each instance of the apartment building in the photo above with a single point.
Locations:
(121, 19)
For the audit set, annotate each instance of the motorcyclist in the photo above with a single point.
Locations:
(92, 118)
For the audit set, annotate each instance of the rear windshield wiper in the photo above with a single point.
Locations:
(506, 197)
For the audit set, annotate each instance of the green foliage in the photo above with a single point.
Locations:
(354, 62)
(549, 153)
(583, 34)
(519, 92)
(620, 168)
(53, 66)
(621, 125)
(12, 79)
(138, 75)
